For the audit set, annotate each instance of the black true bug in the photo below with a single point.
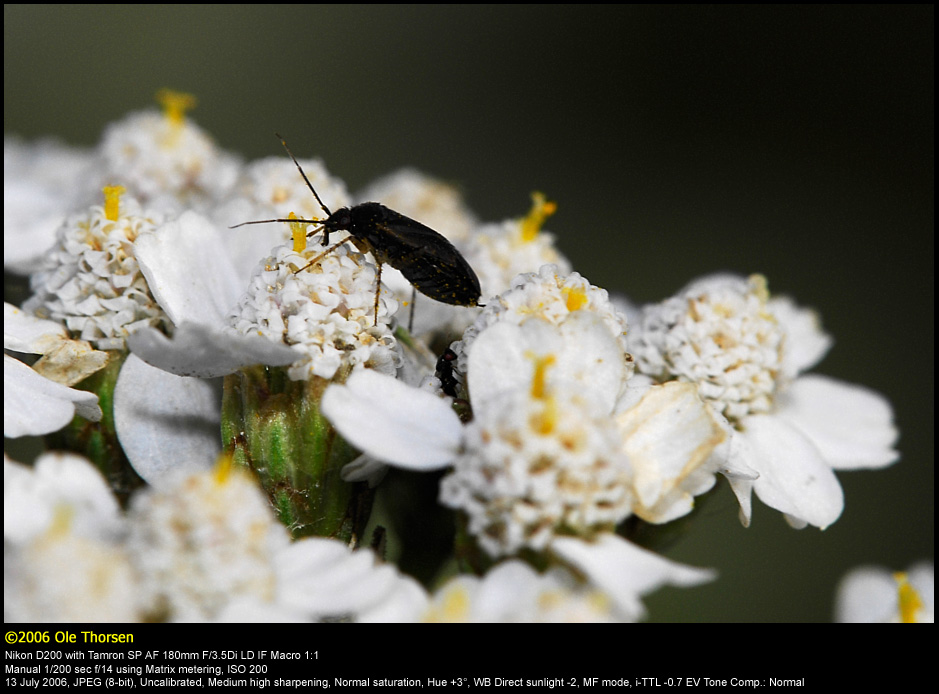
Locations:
(444, 372)
(427, 259)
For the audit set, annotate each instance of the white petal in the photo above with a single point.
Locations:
(322, 577)
(731, 453)
(851, 426)
(31, 497)
(625, 571)
(365, 469)
(668, 436)
(391, 421)
(806, 342)
(206, 351)
(189, 271)
(867, 595)
(167, 424)
(585, 355)
(23, 332)
(794, 478)
(33, 405)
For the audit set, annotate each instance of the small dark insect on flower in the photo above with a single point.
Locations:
(427, 259)
(448, 382)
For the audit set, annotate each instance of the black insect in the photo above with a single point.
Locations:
(448, 382)
(427, 259)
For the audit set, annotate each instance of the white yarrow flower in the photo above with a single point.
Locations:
(39, 403)
(63, 557)
(514, 592)
(325, 312)
(166, 160)
(872, 594)
(43, 182)
(90, 280)
(746, 352)
(500, 252)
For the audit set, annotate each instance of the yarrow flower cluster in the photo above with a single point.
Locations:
(746, 352)
(90, 280)
(200, 347)
(327, 311)
(205, 548)
(535, 464)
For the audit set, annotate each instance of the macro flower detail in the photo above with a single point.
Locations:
(205, 547)
(60, 513)
(38, 400)
(247, 387)
(271, 188)
(872, 594)
(90, 280)
(514, 592)
(746, 352)
(326, 312)
(537, 464)
(543, 463)
(552, 297)
(502, 251)
(164, 159)
(721, 336)
(43, 182)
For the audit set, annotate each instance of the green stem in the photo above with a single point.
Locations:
(274, 426)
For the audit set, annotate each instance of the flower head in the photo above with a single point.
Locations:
(500, 252)
(874, 594)
(195, 553)
(326, 311)
(58, 514)
(537, 464)
(90, 280)
(42, 183)
(552, 297)
(164, 159)
(514, 592)
(745, 352)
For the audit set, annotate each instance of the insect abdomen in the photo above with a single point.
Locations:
(427, 259)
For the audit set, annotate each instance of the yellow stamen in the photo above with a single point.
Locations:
(909, 600)
(538, 387)
(224, 465)
(541, 209)
(299, 234)
(175, 104)
(545, 421)
(61, 523)
(575, 298)
(760, 287)
(112, 201)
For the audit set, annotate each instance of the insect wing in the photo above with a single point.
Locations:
(427, 259)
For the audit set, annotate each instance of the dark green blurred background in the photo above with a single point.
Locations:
(678, 141)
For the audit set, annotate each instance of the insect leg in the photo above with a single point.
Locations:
(411, 314)
(324, 253)
(377, 290)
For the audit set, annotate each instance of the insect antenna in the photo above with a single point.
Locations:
(300, 169)
(268, 221)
